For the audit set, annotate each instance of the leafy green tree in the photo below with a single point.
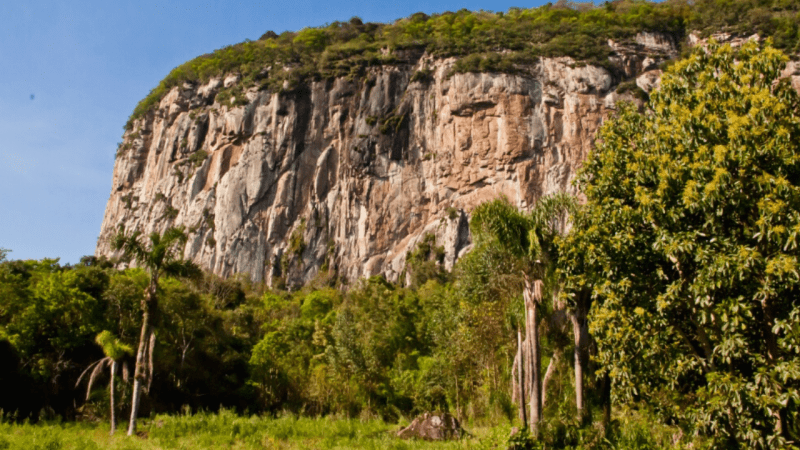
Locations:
(689, 241)
(4, 253)
(161, 257)
(529, 238)
(46, 317)
(114, 350)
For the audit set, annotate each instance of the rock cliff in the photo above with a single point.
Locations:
(350, 175)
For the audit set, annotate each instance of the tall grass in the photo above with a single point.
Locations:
(631, 430)
(226, 430)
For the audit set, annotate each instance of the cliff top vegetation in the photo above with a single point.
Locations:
(483, 41)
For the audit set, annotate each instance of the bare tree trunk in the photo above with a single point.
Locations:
(605, 395)
(515, 378)
(150, 350)
(578, 352)
(533, 295)
(580, 331)
(521, 379)
(527, 373)
(111, 396)
(548, 374)
(139, 374)
(458, 405)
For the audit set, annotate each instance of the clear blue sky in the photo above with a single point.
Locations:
(72, 71)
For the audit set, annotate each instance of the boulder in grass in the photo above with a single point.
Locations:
(433, 427)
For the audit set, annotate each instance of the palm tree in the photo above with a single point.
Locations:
(530, 239)
(114, 350)
(161, 256)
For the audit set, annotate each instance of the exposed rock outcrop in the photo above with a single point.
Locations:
(432, 427)
(351, 174)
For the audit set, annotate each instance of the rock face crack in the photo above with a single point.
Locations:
(352, 175)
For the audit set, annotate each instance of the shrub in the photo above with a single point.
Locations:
(197, 158)
(296, 242)
(170, 212)
(422, 76)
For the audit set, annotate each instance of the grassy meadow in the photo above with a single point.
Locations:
(631, 430)
(226, 430)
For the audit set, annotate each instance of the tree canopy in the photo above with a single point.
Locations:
(689, 238)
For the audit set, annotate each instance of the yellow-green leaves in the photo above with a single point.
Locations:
(694, 256)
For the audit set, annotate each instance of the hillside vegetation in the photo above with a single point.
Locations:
(666, 315)
(482, 41)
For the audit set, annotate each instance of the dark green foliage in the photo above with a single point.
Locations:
(391, 124)
(522, 440)
(452, 213)
(208, 218)
(425, 261)
(296, 242)
(378, 348)
(170, 212)
(123, 147)
(197, 158)
(232, 96)
(490, 62)
(129, 199)
(422, 76)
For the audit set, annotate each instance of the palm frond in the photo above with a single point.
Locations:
(173, 235)
(182, 268)
(131, 247)
(502, 222)
(551, 212)
(98, 369)
(113, 347)
(77, 383)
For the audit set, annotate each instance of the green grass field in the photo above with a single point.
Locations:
(225, 430)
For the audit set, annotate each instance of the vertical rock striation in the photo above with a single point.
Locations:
(351, 175)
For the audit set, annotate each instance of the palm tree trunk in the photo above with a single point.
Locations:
(532, 295)
(580, 333)
(577, 334)
(111, 396)
(605, 396)
(144, 339)
(521, 379)
(548, 374)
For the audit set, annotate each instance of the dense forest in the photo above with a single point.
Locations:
(665, 298)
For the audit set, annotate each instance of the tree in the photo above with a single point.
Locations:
(689, 243)
(529, 238)
(160, 257)
(114, 351)
(4, 253)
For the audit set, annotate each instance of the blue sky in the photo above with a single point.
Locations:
(72, 72)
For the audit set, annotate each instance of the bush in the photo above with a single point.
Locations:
(197, 158)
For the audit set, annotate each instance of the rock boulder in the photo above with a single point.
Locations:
(432, 427)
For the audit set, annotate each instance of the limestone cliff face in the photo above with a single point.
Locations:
(351, 175)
